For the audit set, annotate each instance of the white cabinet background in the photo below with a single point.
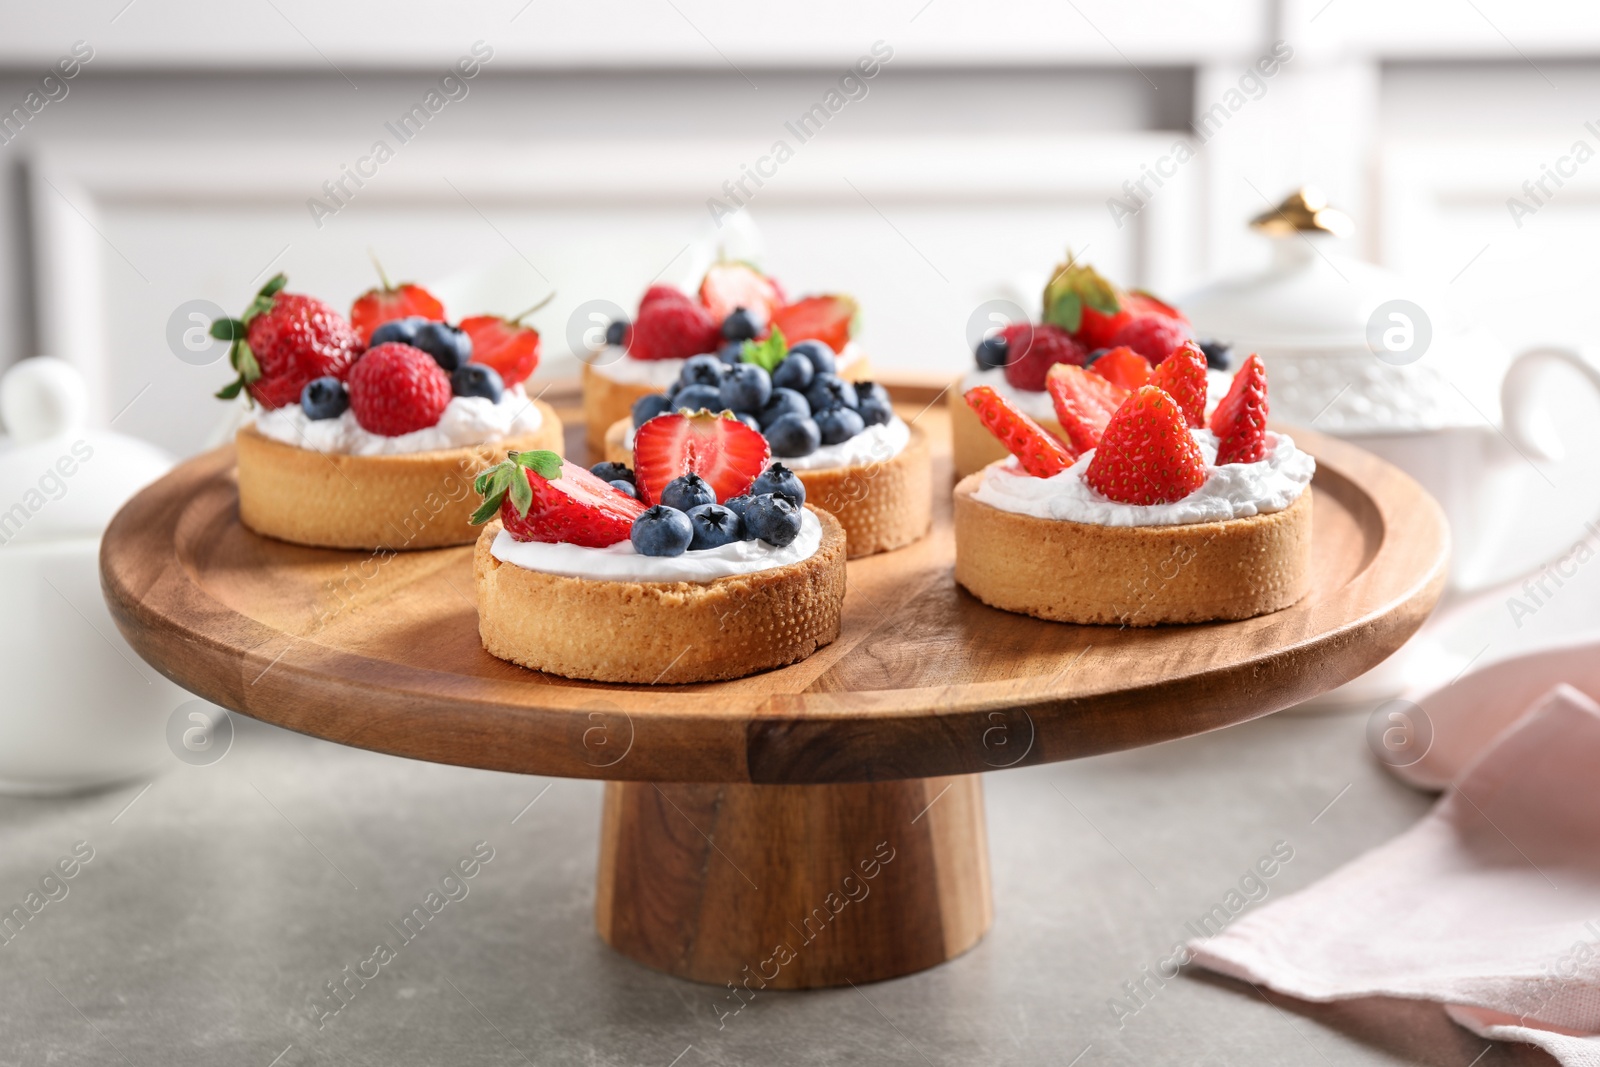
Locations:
(179, 164)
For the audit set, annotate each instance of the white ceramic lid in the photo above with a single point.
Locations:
(58, 478)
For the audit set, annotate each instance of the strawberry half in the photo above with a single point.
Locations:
(1123, 366)
(1146, 455)
(1240, 421)
(1084, 403)
(721, 449)
(739, 285)
(541, 497)
(1182, 376)
(829, 319)
(1037, 449)
(508, 346)
(377, 306)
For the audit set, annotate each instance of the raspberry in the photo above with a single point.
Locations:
(1032, 350)
(1154, 337)
(396, 389)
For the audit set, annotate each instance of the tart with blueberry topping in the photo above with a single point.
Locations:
(704, 563)
(734, 304)
(842, 440)
(367, 432)
(1143, 511)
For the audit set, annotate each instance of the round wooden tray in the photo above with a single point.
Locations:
(382, 652)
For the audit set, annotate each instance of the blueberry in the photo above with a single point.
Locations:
(1219, 354)
(401, 330)
(624, 486)
(715, 526)
(793, 435)
(773, 519)
(649, 406)
(875, 412)
(739, 326)
(839, 424)
(830, 391)
(779, 479)
(449, 345)
(616, 331)
(611, 472)
(687, 491)
(661, 531)
(477, 379)
(874, 390)
(737, 505)
(992, 352)
(702, 370)
(820, 355)
(795, 372)
(1096, 354)
(732, 353)
(783, 402)
(324, 398)
(745, 388)
(695, 397)
(749, 420)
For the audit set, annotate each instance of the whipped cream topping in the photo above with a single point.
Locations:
(1232, 491)
(613, 362)
(621, 562)
(1038, 405)
(467, 420)
(875, 444)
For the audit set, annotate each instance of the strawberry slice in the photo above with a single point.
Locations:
(829, 319)
(1039, 451)
(562, 504)
(722, 450)
(1240, 421)
(1182, 376)
(1146, 456)
(1124, 367)
(508, 346)
(1084, 403)
(739, 285)
(377, 306)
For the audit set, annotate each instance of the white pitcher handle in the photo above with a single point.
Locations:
(1527, 424)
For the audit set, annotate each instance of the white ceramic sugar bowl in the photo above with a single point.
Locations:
(1359, 352)
(79, 710)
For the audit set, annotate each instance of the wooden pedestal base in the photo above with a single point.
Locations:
(793, 887)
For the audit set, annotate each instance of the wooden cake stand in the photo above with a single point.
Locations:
(809, 826)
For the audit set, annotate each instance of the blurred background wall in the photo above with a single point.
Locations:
(179, 161)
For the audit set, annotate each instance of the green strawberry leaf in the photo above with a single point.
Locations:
(227, 329)
(1066, 312)
(521, 493)
(274, 284)
(488, 509)
(231, 390)
(244, 361)
(542, 461)
(766, 354)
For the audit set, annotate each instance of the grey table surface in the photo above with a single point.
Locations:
(221, 900)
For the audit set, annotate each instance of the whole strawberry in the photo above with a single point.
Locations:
(1155, 337)
(396, 389)
(1146, 455)
(1032, 350)
(283, 341)
(667, 329)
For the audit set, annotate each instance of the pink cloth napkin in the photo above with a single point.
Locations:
(1489, 906)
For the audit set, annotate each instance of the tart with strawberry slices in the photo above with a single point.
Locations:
(702, 567)
(854, 456)
(367, 432)
(1085, 317)
(735, 303)
(1143, 511)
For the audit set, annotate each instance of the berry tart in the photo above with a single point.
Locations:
(367, 432)
(854, 457)
(1143, 511)
(702, 565)
(1085, 317)
(735, 303)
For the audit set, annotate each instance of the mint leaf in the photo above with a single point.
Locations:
(542, 461)
(766, 354)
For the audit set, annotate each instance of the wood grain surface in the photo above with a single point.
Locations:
(381, 650)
